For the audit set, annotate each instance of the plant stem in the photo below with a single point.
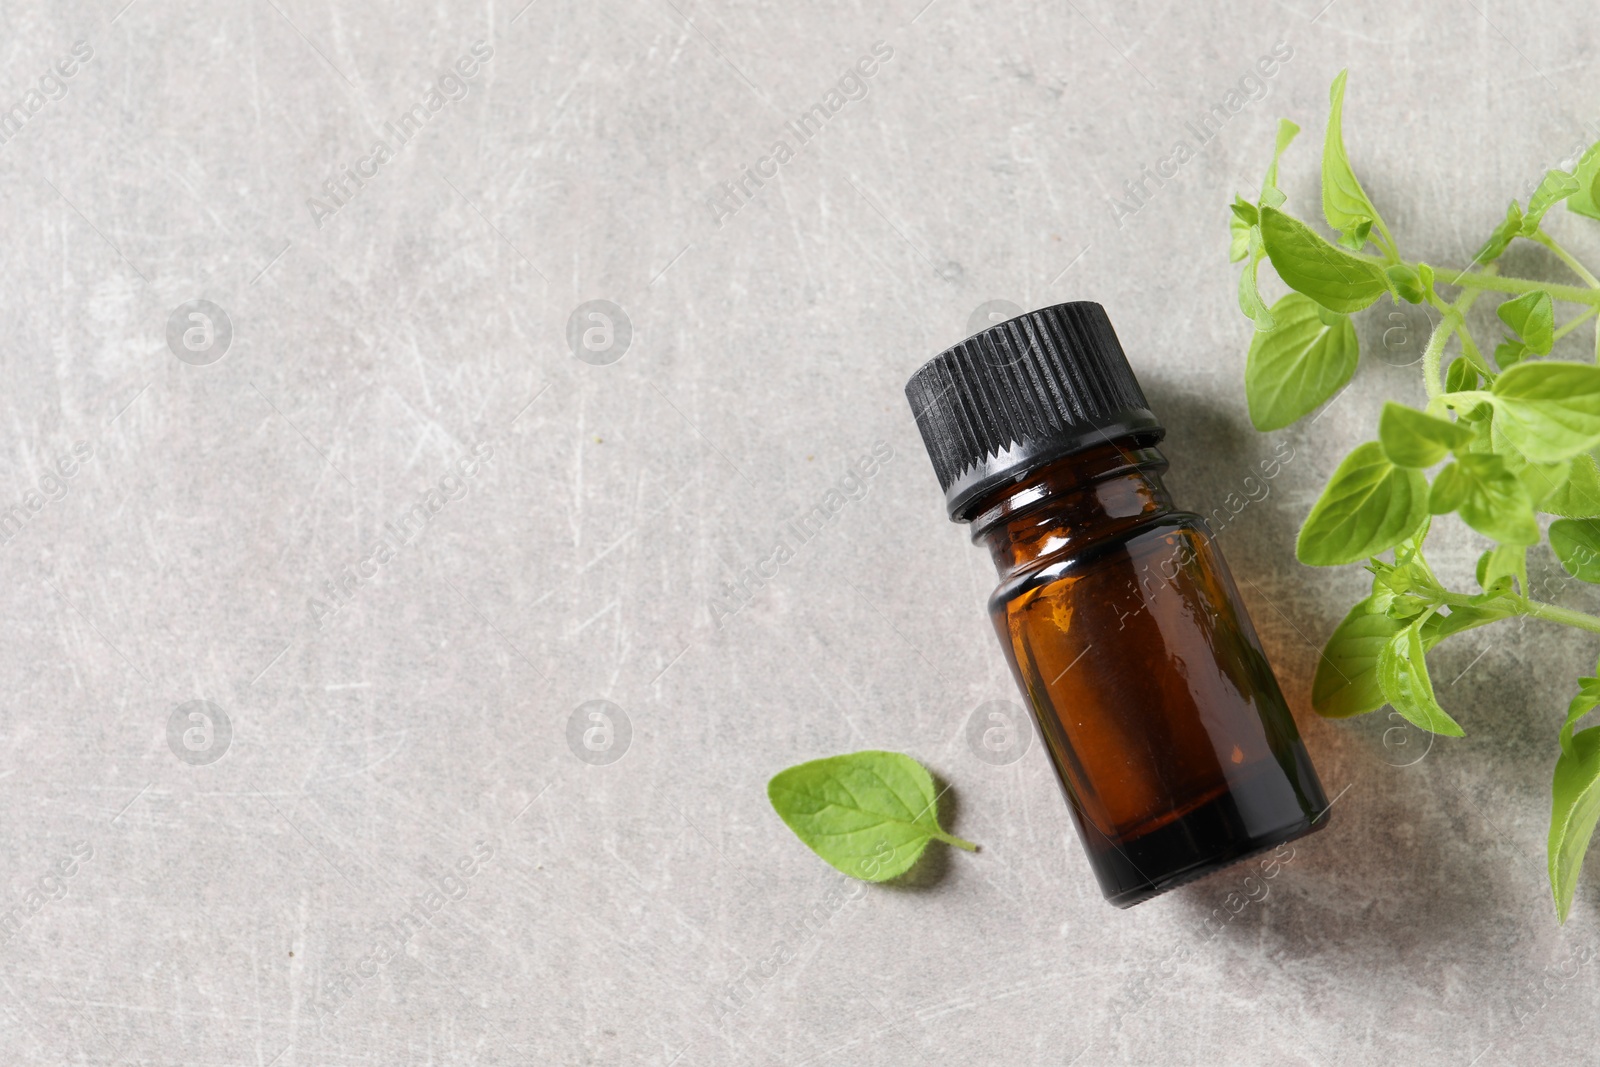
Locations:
(1376, 261)
(1566, 257)
(1470, 351)
(1394, 249)
(958, 842)
(1562, 615)
(1431, 355)
(1452, 319)
(1480, 280)
(1572, 323)
(1521, 605)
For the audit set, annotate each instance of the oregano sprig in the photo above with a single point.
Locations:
(1503, 439)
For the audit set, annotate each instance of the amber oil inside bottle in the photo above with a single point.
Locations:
(1171, 739)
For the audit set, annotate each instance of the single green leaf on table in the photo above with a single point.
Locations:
(1461, 376)
(1250, 301)
(1556, 187)
(1489, 496)
(1586, 200)
(1344, 203)
(1574, 809)
(1310, 265)
(1576, 543)
(1501, 237)
(1533, 316)
(1298, 364)
(1578, 496)
(1369, 505)
(1271, 195)
(1411, 438)
(869, 814)
(1403, 677)
(1548, 410)
(1346, 682)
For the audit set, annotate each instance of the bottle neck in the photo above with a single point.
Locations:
(1065, 505)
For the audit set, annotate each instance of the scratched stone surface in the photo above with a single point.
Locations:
(394, 391)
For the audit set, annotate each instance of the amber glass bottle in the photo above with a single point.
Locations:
(1170, 737)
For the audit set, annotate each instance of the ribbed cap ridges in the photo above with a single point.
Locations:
(1018, 395)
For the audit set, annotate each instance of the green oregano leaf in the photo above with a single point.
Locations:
(1408, 553)
(1346, 682)
(1556, 187)
(1406, 282)
(1490, 498)
(1271, 195)
(1389, 583)
(869, 814)
(1250, 301)
(1403, 677)
(1461, 376)
(1240, 223)
(1576, 543)
(1501, 566)
(1369, 505)
(1310, 265)
(1548, 410)
(1438, 626)
(1298, 364)
(1574, 809)
(1344, 203)
(1587, 700)
(1541, 480)
(1246, 241)
(1533, 316)
(1508, 354)
(1411, 438)
(1501, 237)
(1578, 495)
(1585, 200)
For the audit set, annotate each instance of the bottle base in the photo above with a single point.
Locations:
(1120, 868)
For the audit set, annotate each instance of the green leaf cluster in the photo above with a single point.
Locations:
(1508, 445)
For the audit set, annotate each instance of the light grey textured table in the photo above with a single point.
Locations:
(399, 537)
